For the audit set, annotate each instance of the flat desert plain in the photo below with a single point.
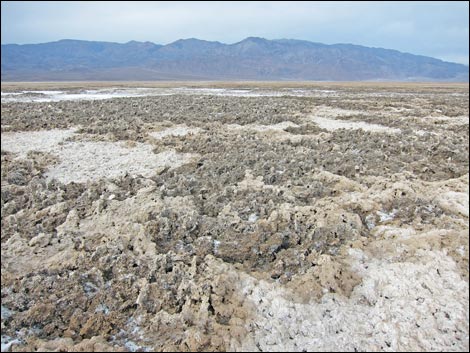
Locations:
(223, 216)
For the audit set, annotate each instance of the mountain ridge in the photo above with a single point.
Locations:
(252, 58)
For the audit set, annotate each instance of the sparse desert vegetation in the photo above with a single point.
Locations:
(234, 216)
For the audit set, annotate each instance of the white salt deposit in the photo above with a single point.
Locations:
(389, 311)
(11, 93)
(228, 92)
(456, 120)
(177, 130)
(332, 124)
(57, 96)
(6, 313)
(7, 342)
(108, 93)
(89, 160)
(455, 202)
(216, 246)
(332, 112)
(83, 161)
(384, 216)
(276, 127)
(263, 128)
(25, 141)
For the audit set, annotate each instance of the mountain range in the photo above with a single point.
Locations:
(193, 59)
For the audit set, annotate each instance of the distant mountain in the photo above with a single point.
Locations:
(251, 59)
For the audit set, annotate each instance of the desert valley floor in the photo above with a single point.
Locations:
(234, 217)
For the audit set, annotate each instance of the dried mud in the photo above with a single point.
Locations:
(192, 222)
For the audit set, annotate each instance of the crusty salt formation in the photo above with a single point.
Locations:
(205, 222)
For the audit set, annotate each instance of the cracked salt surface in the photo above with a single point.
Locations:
(6, 313)
(24, 141)
(7, 342)
(390, 310)
(455, 202)
(263, 128)
(83, 161)
(89, 160)
(177, 130)
(332, 124)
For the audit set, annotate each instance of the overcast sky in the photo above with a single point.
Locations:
(437, 29)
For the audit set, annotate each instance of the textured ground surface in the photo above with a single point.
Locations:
(235, 217)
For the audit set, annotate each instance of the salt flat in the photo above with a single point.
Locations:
(235, 216)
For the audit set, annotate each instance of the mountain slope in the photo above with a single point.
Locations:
(252, 59)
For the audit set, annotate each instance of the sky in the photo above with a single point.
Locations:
(437, 29)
